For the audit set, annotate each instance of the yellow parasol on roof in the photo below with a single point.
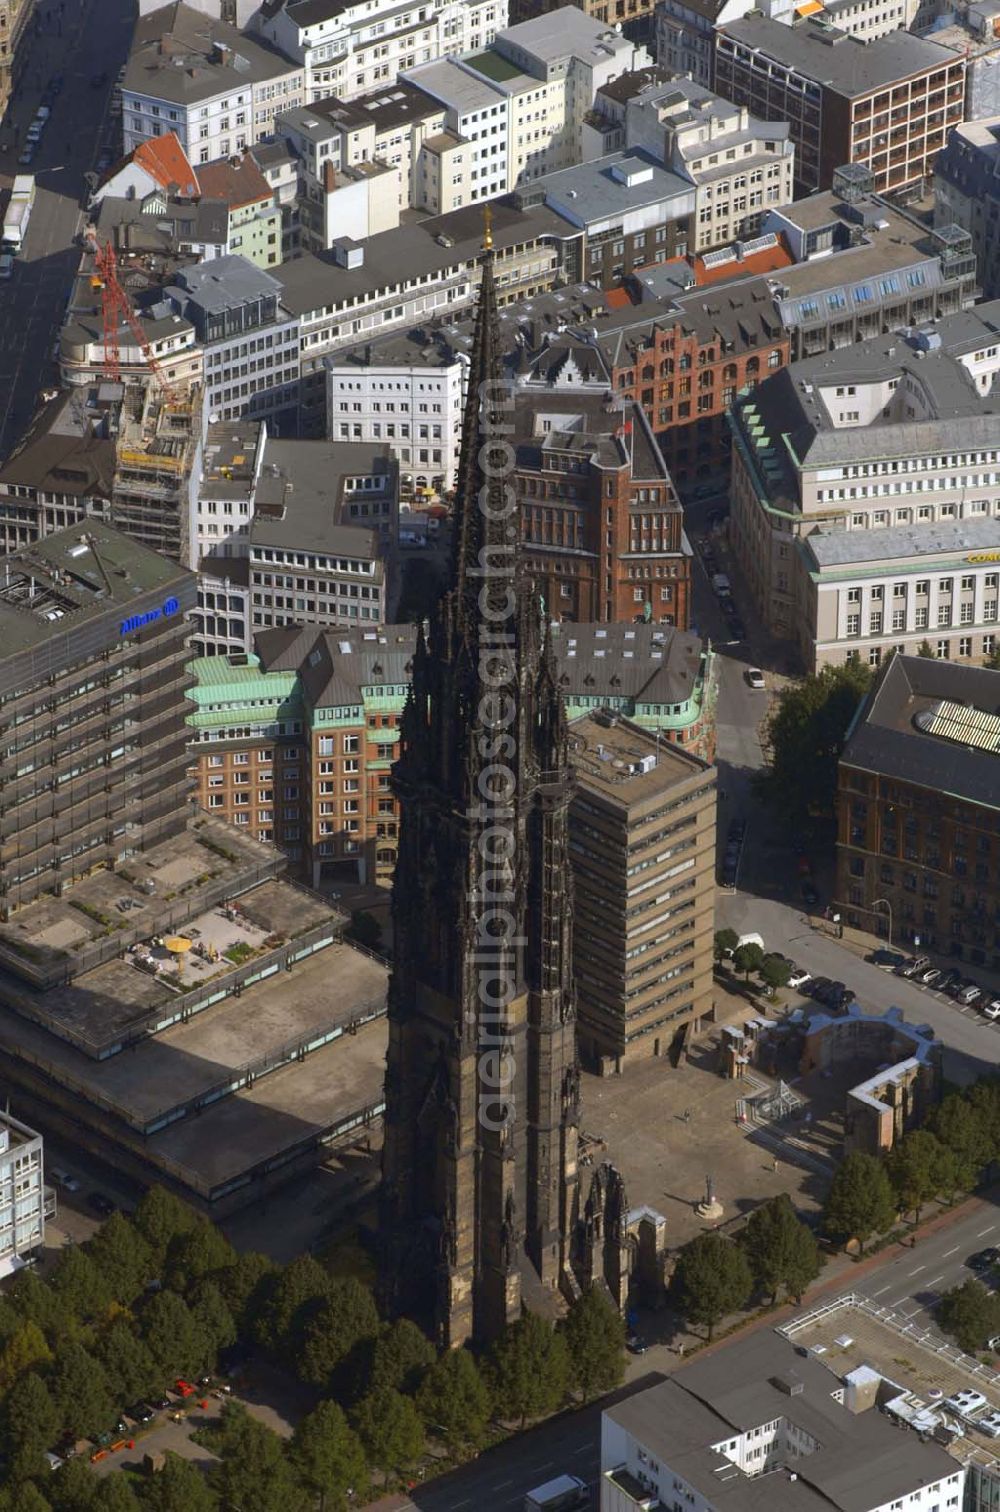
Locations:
(177, 944)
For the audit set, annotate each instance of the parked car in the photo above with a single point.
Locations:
(886, 960)
(26, 155)
(952, 982)
(817, 986)
(635, 1345)
(184, 1388)
(798, 978)
(56, 84)
(755, 677)
(101, 1205)
(42, 113)
(992, 1008)
(161, 1403)
(970, 995)
(34, 133)
(141, 1412)
(984, 1259)
(6, 266)
(64, 1179)
(930, 977)
(915, 965)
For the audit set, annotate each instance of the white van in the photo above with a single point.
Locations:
(746, 939)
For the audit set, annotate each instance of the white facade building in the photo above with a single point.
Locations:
(866, 494)
(761, 1424)
(22, 1194)
(406, 394)
(250, 344)
(216, 88)
(741, 167)
(348, 47)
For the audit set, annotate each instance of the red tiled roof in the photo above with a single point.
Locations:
(767, 261)
(617, 299)
(165, 160)
(237, 184)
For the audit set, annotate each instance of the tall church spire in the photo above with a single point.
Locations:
(479, 1165)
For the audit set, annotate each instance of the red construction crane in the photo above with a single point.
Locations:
(116, 307)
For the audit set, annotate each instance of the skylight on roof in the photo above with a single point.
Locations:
(961, 725)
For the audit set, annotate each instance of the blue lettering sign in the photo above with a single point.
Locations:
(136, 621)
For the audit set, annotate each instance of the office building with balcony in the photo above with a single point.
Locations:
(642, 846)
(918, 811)
(866, 495)
(886, 104)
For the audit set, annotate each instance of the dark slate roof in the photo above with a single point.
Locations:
(649, 664)
(885, 737)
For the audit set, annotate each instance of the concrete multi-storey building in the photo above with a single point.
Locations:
(407, 393)
(94, 768)
(216, 88)
(740, 166)
(918, 854)
(23, 1200)
(346, 49)
(249, 341)
(967, 193)
(602, 525)
(764, 1418)
(629, 212)
(642, 846)
(866, 494)
(319, 711)
(886, 104)
(289, 532)
(325, 517)
(685, 29)
(103, 867)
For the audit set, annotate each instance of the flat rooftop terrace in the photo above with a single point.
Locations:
(144, 988)
(854, 1331)
(289, 1014)
(54, 939)
(324, 1097)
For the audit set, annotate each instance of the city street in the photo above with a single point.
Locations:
(913, 1280)
(908, 1280)
(95, 37)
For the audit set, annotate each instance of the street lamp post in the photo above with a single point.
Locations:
(888, 907)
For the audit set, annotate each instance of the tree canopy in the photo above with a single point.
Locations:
(595, 1338)
(781, 1249)
(528, 1369)
(860, 1201)
(805, 733)
(711, 1280)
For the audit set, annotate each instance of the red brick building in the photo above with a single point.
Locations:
(686, 365)
(599, 511)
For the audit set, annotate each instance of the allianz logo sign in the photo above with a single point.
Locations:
(136, 621)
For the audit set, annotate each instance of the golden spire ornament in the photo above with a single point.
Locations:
(487, 229)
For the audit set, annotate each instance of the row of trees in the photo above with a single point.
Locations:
(777, 1253)
(949, 1156)
(162, 1295)
(716, 1276)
